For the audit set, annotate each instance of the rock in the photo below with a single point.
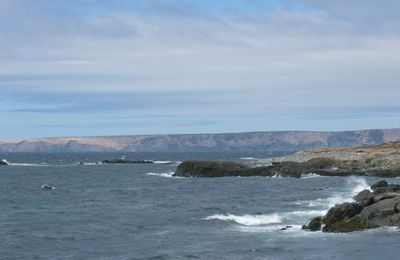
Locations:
(4, 162)
(370, 210)
(285, 228)
(314, 225)
(348, 225)
(125, 161)
(48, 187)
(382, 213)
(364, 198)
(380, 184)
(211, 169)
(338, 214)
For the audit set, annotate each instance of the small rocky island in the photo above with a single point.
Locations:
(379, 160)
(378, 208)
(125, 161)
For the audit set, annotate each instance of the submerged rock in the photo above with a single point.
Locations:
(285, 228)
(48, 187)
(370, 210)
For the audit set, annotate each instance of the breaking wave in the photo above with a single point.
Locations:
(248, 220)
(162, 162)
(310, 175)
(165, 174)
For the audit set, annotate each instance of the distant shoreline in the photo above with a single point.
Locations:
(230, 142)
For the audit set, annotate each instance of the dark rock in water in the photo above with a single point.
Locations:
(125, 161)
(321, 166)
(210, 169)
(47, 187)
(371, 210)
(337, 216)
(285, 228)
(4, 162)
(314, 225)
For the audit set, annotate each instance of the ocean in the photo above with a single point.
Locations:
(139, 211)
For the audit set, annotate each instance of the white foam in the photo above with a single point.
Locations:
(162, 162)
(354, 186)
(28, 164)
(165, 174)
(247, 158)
(360, 184)
(248, 220)
(90, 163)
(310, 175)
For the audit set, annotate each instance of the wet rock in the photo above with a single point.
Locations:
(370, 210)
(285, 228)
(314, 225)
(364, 198)
(338, 214)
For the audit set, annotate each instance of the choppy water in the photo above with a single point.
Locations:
(139, 211)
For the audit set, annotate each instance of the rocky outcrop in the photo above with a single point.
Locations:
(321, 166)
(378, 208)
(314, 225)
(210, 169)
(125, 161)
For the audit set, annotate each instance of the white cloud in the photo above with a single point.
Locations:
(337, 54)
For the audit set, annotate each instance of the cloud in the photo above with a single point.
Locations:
(198, 58)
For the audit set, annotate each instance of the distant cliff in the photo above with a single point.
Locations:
(255, 141)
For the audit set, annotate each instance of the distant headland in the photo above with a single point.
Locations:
(252, 141)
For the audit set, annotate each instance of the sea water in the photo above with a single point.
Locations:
(139, 211)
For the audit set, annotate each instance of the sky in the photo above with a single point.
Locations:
(125, 67)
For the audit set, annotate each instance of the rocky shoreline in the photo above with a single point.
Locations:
(379, 161)
(374, 208)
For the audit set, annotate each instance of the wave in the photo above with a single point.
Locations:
(248, 158)
(162, 162)
(90, 163)
(310, 175)
(248, 220)
(165, 175)
(354, 185)
(29, 164)
(361, 184)
(296, 217)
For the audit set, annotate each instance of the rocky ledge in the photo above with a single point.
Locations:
(380, 161)
(378, 208)
(125, 161)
